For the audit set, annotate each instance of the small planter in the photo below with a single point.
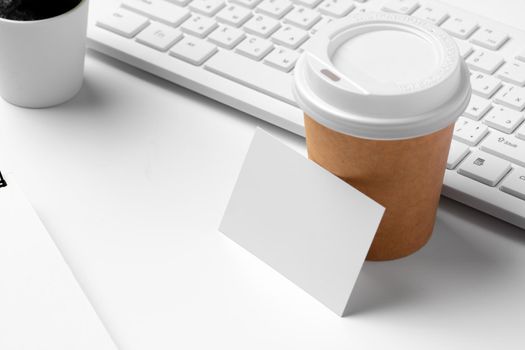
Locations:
(42, 49)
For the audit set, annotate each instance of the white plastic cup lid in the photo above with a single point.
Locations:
(382, 76)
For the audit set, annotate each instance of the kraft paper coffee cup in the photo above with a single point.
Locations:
(381, 93)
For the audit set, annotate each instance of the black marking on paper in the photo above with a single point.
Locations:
(2, 181)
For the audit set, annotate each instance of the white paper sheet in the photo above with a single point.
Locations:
(42, 307)
(306, 223)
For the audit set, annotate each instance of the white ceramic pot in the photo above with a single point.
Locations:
(42, 62)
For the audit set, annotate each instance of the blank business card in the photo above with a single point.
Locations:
(304, 222)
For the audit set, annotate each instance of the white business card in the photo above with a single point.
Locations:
(41, 304)
(304, 222)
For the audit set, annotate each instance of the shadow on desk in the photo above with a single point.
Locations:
(191, 95)
(90, 98)
(466, 256)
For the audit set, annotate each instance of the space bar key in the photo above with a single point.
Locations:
(252, 74)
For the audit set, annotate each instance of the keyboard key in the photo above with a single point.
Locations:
(234, 15)
(521, 132)
(484, 61)
(247, 3)
(199, 26)
(158, 10)
(207, 7)
(477, 107)
(514, 183)
(159, 36)
(503, 119)
(227, 37)
(290, 36)
(252, 74)
(511, 96)
(465, 49)
(254, 48)
(489, 38)
(505, 146)
(431, 14)
(308, 3)
(193, 50)
(180, 2)
(261, 25)
(404, 7)
(484, 85)
(521, 56)
(460, 27)
(336, 8)
(513, 73)
(457, 153)
(123, 22)
(275, 8)
(282, 59)
(469, 132)
(361, 10)
(323, 22)
(484, 168)
(302, 17)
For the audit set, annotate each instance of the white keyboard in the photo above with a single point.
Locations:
(242, 53)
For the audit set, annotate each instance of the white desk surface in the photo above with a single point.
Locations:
(131, 179)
